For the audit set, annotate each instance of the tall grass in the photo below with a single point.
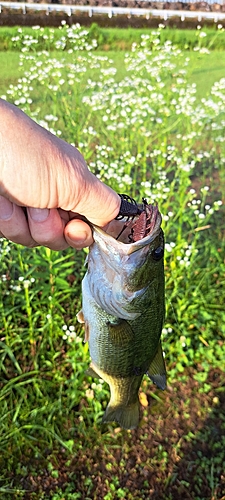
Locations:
(143, 132)
(12, 38)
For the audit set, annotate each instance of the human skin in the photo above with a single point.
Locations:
(45, 187)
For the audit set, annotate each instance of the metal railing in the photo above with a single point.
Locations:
(69, 9)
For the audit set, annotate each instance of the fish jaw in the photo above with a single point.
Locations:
(110, 245)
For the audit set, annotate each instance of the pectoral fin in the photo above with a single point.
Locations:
(157, 369)
(80, 318)
(121, 332)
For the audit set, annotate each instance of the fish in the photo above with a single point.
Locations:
(123, 309)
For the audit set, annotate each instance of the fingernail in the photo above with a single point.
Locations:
(38, 214)
(6, 208)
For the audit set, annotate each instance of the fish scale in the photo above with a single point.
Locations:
(123, 313)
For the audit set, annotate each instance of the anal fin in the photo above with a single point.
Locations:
(157, 369)
(91, 372)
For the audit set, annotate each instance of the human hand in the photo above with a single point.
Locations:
(45, 185)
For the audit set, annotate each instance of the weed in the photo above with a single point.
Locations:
(144, 132)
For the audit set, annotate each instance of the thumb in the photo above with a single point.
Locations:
(99, 203)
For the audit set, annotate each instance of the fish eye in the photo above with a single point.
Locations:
(157, 254)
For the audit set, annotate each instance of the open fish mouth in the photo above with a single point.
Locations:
(132, 231)
(138, 227)
(141, 218)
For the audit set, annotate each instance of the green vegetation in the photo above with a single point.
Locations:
(120, 39)
(203, 69)
(139, 123)
(10, 70)
(113, 42)
(113, 38)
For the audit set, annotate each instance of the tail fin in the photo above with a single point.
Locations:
(126, 416)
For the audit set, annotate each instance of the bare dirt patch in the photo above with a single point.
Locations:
(177, 452)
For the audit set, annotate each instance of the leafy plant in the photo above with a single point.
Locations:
(142, 130)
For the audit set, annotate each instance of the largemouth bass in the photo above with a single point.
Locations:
(123, 311)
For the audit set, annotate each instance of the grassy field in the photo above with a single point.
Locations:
(203, 69)
(150, 122)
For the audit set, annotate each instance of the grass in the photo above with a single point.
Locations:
(10, 69)
(117, 38)
(144, 130)
(203, 69)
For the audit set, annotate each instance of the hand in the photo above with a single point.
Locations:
(45, 185)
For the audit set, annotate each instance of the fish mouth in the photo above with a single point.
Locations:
(131, 234)
(140, 226)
